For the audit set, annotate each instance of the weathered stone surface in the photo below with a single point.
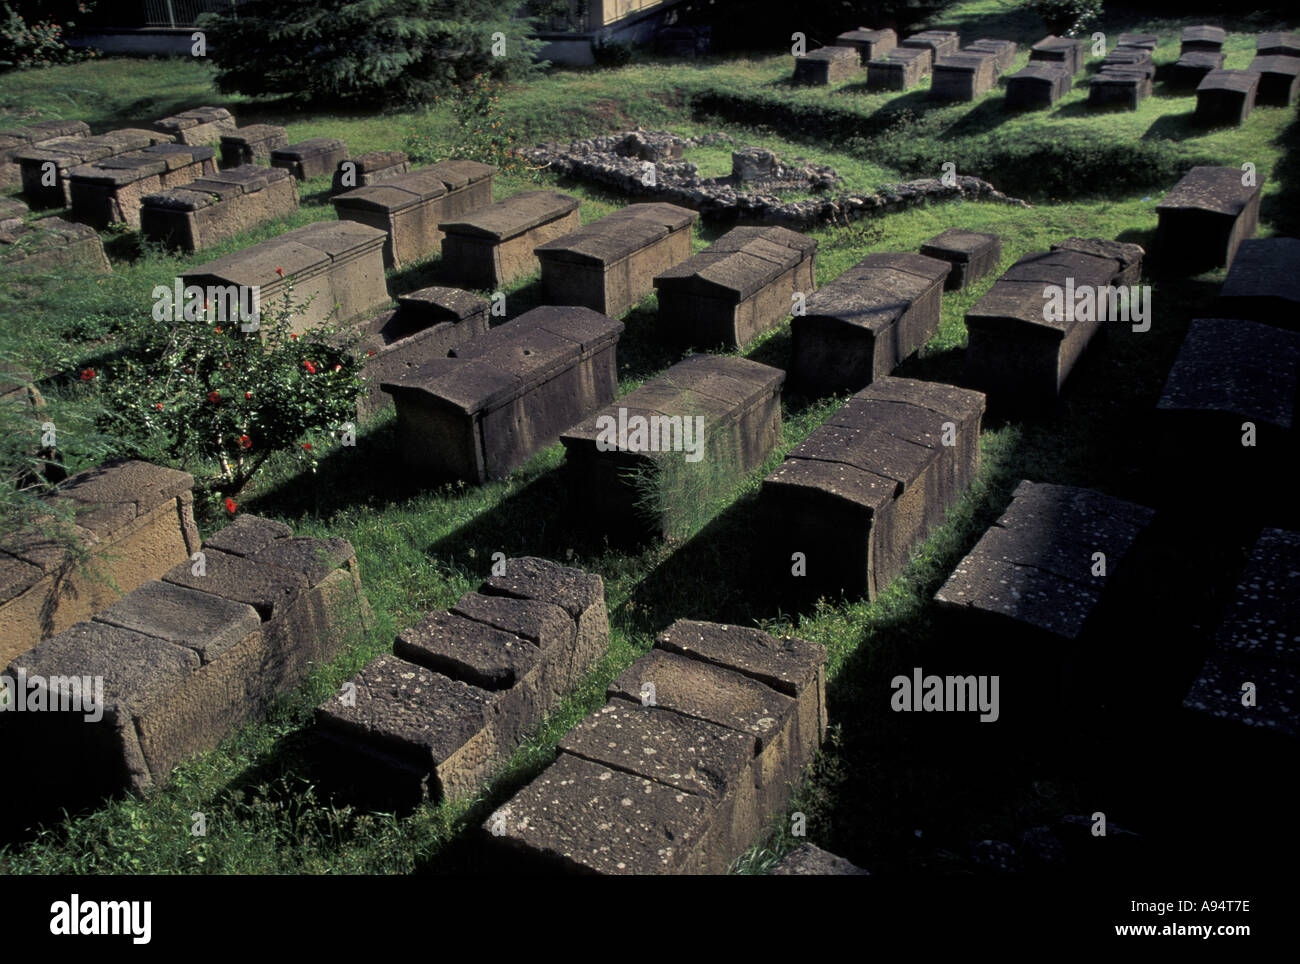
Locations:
(1037, 86)
(1014, 352)
(1032, 568)
(506, 394)
(827, 65)
(1003, 51)
(963, 76)
(940, 43)
(870, 44)
(1114, 87)
(136, 519)
(580, 817)
(314, 157)
(807, 860)
(1191, 68)
(372, 167)
(738, 288)
(466, 685)
(183, 665)
(337, 264)
(427, 324)
(252, 144)
(201, 125)
(727, 409)
(1143, 41)
(494, 245)
(609, 265)
(16, 139)
(313, 558)
(1226, 97)
(972, 255)
(866, 321)
(1202, 37)
(1259, 643)
(1279, 79)
(1205, 218)
(110, 191)
(56, 157)
(862, 491)
(1276, 43)
(218, 206)
(1064, 52)
(411, 207)
(900, 69)
(1263, 283)
(248, 535)
(1127, 254)
(1244, 368)
(52, 245)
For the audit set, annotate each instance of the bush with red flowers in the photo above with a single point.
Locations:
(209, 394)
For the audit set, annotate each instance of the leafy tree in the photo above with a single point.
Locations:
(1067, 17)
(397, 51)
(767, 24)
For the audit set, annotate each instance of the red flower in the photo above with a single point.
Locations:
(248, 394)
(307, 446)
(218, 331)
(245, 441)
(338, 367)
(87, 374)
(294, 337)
(310, 367)
(231, 505)
(369, 353)
(159, 406)
(214, 396)
(280, 272)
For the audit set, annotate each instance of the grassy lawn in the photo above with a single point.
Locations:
(882, 793)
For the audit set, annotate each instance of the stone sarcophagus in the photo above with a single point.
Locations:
(494, 245)
(45, 167)
(218, 206)
(112, 190)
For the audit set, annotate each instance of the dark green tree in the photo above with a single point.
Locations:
(389, 51)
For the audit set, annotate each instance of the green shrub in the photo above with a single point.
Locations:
(388, 51)
(203, 390)
(38, 43)
(1067, 17)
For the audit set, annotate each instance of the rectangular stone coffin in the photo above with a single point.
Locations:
(372, 167)
(252, 144)
(505, 395)
(426, 324)
(1141, 41)
(465, 686)
(337, 264)
(940, 43)
(52, 244)
(410, 207)
(1004, 52)
(314, 157)
(1204, 218)
(1277, 43)
(963, 76)
(870, 44)
(741, 286)
(1279, 79)
(137, 521)
(1226, 97)
(1120, 88)
(1230, 372)
(45, 168)
(972, 254)
(679, 772)
(610, 264)
(1027, 603)
(902, 67)
(1013, 353)
(1203, 37)
(630, 473)
(111, 191)
(1037, 86)
(1128, 255)
(202, 125)
(17, 139)
(866, 321)
(494, 245)
(187, 659)
(1190, 69)
(1064, 52)
(218, 206)
(1258, 642)
(865, 489)
(827, 65)
(1263, 283)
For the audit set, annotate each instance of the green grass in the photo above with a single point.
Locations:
(877, 781)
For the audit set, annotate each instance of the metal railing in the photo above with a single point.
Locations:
(182, 13)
